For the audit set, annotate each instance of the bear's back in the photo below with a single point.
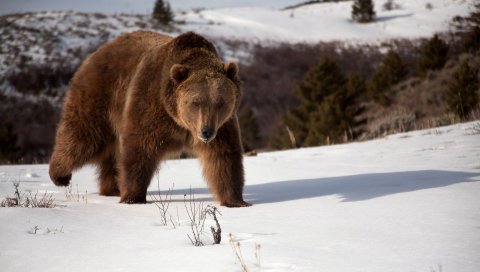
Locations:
(102, 81)
(118, 59)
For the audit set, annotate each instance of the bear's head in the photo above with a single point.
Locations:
(205, 99)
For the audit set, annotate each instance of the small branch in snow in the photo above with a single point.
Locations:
(197, 215)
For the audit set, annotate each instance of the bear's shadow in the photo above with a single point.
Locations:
(348, 188)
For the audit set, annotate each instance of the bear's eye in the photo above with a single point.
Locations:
(195, 104)
(220, 104)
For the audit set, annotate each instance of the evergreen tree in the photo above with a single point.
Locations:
(162, 12)
(391, 71)
(336, 118)
(471, 41)
(462, 94)
(328, 108)
(249, 129)
(356, 90)
(434, 55)
(363, 11)
(469, 29)
(321, 81)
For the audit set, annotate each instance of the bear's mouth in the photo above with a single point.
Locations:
(206, 140)
(207, 134)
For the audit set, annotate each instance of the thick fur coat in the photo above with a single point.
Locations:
(143, 96)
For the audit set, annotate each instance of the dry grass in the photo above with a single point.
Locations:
(237, 250)
(76, 196)
(28, 200)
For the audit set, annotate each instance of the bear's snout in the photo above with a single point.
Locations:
(207, 134)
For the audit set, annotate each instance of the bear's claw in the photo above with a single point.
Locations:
(133, 200)
(235, 204)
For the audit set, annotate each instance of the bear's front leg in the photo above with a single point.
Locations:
(222, 163)
(224, 173)
(137, 167)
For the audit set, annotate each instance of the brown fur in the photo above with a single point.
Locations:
(141, 97)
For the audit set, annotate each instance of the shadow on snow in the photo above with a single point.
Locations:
(349, 188)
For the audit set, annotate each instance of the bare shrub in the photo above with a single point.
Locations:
(216, 233)
(163, 204)
(29, 200)
(197, 215)
(395, 121)
(44, 200)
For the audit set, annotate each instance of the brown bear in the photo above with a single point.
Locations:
(143, 96)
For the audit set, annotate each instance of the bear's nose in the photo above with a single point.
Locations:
(207, 134)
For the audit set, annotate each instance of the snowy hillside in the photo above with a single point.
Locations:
(326, 22)
(60, 36)
(274, 21)
(407, 202)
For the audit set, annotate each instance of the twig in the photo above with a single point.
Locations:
(197, 217)
(238, 252)
(257, 254)
(217, 234)
(163, 204)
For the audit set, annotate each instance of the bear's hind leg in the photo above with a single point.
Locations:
(108, 174)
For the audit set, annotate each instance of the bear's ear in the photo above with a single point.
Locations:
(178, 73)
(231, 69)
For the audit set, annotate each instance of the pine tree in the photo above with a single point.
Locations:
(433, 57)
(249, 129)
(462, 94)
(321, 81)
(469, 29)
(356, 90)
(328, 109)
(336, 119)
(363, 11)
(391, 71)
(162, 12)
(471, 41)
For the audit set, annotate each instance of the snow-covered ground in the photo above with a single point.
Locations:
(326, 22)
(407, 202)
(268, 21)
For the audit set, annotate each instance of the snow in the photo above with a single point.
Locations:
(325, 22)
(269, 22)
(406, 202)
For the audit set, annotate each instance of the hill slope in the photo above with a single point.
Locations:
(408, 202)
(323, 22)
